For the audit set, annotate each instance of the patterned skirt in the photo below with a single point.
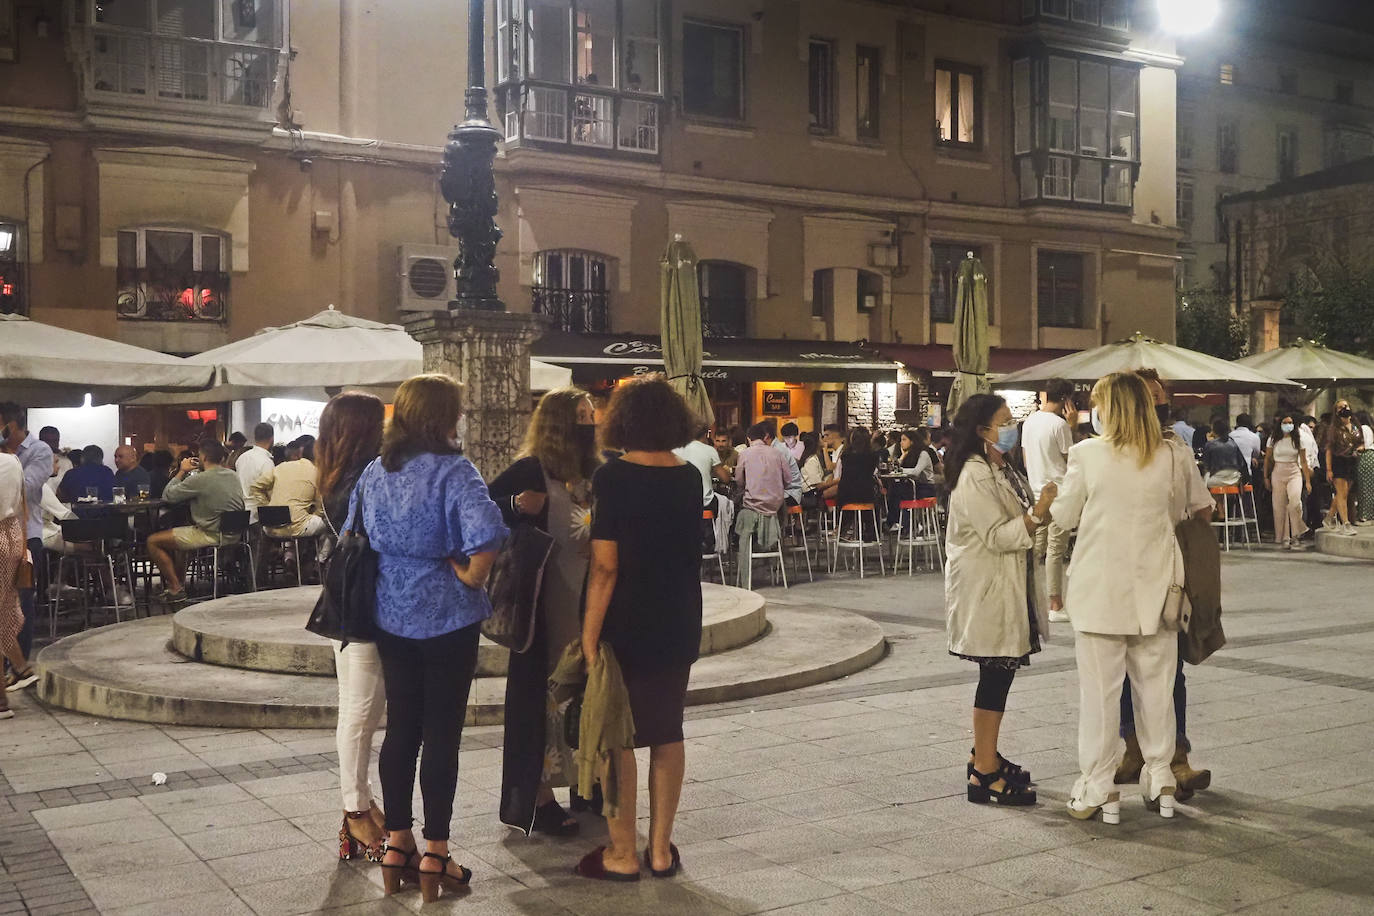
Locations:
(12, 547)
(1364, 480)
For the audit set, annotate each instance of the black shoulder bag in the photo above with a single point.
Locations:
(516, 579)
(347, 606)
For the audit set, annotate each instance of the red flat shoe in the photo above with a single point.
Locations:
(593, 865)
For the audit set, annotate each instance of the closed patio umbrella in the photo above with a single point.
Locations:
(970, 334)
(1185, 369)
(46, 366)
(318, 357)
(681, 321)
(1313, 364)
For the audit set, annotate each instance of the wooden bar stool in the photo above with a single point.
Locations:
(1230, 500)
(920, 520)
(708, 515)
(857, 542)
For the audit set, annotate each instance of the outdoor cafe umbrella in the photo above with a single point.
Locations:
(681, 322)
(318, 357)
(1312, 364)
(46, 366)
(1185, 369)
(970, 334)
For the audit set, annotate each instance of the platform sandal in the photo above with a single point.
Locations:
(1011, 794)
(1011, 772)
(432, 881)
(352, 847)
(393, 876)
(551, 819)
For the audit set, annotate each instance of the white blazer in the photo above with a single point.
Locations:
(985, 572)
(1126, 556)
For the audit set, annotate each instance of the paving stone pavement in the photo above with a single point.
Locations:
(842, 798)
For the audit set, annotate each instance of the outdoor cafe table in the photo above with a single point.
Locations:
(132, 507)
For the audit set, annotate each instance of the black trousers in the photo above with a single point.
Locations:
(427, 686)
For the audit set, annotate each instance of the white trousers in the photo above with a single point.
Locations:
(362, 703)
(1103, 662)
(1286, 484)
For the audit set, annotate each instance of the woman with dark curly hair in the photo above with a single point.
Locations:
(644, 601)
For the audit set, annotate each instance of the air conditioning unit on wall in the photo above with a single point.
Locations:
(426, 277)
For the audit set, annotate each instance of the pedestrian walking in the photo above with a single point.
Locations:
(994, 617)
(1285, 467)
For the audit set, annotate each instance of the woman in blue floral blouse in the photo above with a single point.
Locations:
(436, 533)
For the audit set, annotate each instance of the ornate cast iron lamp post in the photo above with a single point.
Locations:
(468, 181)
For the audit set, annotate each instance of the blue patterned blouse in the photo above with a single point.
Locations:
(433, 508)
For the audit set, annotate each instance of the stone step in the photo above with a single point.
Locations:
(1359, 546)
(265, 631)
(129, 671)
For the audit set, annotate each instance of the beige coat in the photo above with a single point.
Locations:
(985, 576)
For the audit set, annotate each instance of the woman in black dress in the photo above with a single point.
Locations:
(549, 485)
(644, 601)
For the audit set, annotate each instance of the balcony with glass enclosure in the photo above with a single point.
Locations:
(581, 74)
(187, 56)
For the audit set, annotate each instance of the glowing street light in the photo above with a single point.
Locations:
(1188, 17)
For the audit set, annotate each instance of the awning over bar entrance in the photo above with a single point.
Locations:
(610, 356)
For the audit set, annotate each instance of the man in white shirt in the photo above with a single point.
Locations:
(254, 463)
(1248, 441)
(1046, 438)
(702, 455)
(795, 485)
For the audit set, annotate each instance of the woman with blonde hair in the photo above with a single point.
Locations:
(1118, 492)
(548, 486)
(436, 533)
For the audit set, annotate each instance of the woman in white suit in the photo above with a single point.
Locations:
(1117, 492)
(995, 617)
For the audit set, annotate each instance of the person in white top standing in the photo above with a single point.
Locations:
(1046, 438)
(255, 462)
(701, 454)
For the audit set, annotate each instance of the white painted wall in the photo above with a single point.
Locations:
(81, 426)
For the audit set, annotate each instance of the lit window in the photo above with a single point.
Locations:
(11, 287)
(957, 102)
(868, 83)
(171, 274)
(1227, 74)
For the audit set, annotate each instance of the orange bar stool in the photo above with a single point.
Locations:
(920, 530)
(857, 542)
(1232, 515)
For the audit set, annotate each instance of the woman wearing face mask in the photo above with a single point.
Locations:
(994, 617)
(1344, 442)
(549, 485)
(1285, 467)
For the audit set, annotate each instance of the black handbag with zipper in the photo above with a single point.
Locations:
(347, 607)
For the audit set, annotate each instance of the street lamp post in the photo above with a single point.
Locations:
(468, 182)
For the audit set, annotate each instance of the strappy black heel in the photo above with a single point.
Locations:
(431, 881)
(393, 876)
(1011, 772)
(1010, 794)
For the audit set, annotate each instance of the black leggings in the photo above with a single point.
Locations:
(994, 684)
(427, 685)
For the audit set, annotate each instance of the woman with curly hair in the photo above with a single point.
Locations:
(549, 486)
(644, 602)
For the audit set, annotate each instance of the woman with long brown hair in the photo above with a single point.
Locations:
(350, 438)
(436, 533)
(549, 486)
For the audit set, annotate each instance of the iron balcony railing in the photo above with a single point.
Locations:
(151, 294)
(578, 311)
(724, 316)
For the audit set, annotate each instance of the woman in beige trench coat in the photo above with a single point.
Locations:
(995, 615)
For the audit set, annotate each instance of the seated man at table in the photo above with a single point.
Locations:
(91, 473)
(292, 484)
(129, 474)
(211, 489)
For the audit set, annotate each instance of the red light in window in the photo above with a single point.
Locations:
(209, 415)
(7, 289)
(187, 299)
(193, 414)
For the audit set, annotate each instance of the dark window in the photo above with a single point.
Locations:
(1059, 289)
(822, 292)
(1222, 233)
(1287, 153)
(713, 70)
(724, 298)
(168, 274)
(1345, 92)
(1288, 80)
(1228, 147)
(1185, 135)
(11, 287)
(869, 76)
(870, 292)
(958, 105)
(821, 86)
(571, 288)
(944, 278)
(1108, 14)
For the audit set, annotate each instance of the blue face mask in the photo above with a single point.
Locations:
(1287, 427)
(1097, 421)
(1006, 437)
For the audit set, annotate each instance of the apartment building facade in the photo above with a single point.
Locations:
(181, 173)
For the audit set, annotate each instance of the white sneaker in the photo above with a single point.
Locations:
(1059, 616)
(1348, 529)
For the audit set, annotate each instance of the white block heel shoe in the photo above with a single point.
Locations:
(1164, 804)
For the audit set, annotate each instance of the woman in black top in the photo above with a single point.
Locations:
(644, 601)
(549, 485)
(350, 437)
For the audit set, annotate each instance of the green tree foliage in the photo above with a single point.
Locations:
(1335, 308)
(1207, 324)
